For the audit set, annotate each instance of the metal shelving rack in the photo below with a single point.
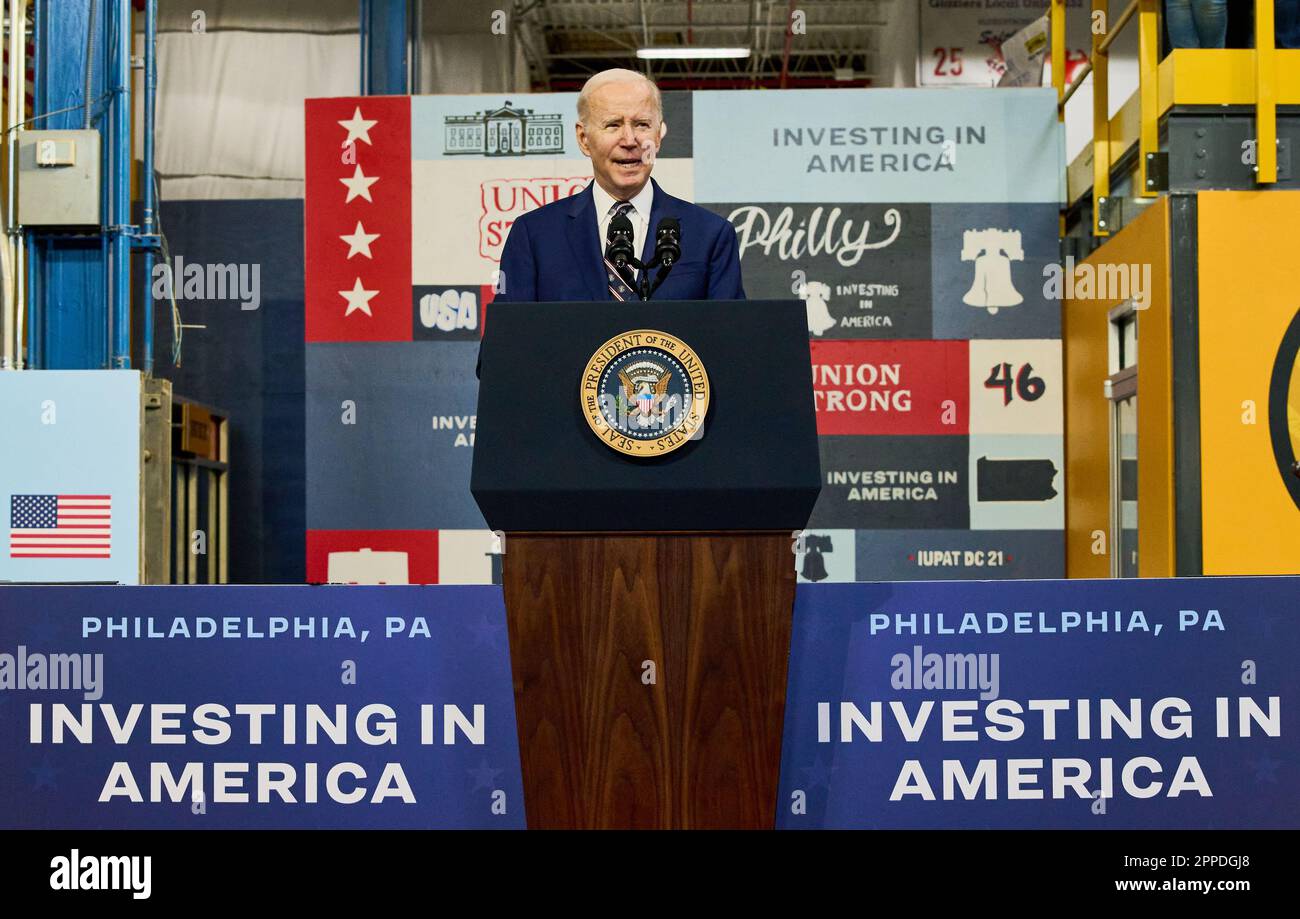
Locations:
(200, 493)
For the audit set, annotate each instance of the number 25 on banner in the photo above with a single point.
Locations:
(949, 58)
(1027, 386)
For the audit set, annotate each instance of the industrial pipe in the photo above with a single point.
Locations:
(8, 318)
(148, 198)
(18, 90)
(119, 211)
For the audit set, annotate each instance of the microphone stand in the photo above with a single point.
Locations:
(642, 286)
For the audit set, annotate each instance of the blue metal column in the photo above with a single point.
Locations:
(384, 35)
(415, 30)
(35, 307)
(35, 296)
(69, 298)
(118, 223)
(149, 203)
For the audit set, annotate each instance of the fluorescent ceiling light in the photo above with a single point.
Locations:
(682, 52)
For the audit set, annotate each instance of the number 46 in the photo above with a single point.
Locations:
(1029, 387)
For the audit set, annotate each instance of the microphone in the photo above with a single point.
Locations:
(619, 247)
(668, 247)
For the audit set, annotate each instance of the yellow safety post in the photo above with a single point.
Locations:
(1101, 120)
(1149, 87)
(1265, 94)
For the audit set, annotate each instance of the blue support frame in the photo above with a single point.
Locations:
(118, 228)
(68, 297)
(79, 285)
(35, 298)
(148, 203)
(384, 35)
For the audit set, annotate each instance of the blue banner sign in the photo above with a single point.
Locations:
(234, 707)
(1117, 704)
(1000, 704)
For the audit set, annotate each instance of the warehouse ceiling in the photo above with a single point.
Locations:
(828, 42)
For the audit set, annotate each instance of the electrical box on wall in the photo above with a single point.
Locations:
(58, 178)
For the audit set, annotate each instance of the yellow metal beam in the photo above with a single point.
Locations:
(1100, 122)
(1190, 76)
(1122, 131)
(1265, 94)
(1225, 76)
(1149, 88)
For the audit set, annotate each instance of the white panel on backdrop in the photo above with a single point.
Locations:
(896, 145)
(1015, 386)
(465, 556)
(366, 566)
(463, 209)
(1018, 482)
(70, 476)
(481, 161)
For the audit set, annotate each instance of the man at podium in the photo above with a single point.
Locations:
(558, 252)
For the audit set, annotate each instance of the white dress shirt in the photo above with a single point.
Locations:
(639, 215)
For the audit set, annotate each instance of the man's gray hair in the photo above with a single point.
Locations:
(615, 75)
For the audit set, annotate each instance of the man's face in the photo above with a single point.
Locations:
(622, 137)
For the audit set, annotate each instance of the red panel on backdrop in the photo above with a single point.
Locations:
(358, 219)
(485, 296)
(891, 387)
(366, 552)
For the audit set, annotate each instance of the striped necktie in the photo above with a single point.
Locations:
(617, 286)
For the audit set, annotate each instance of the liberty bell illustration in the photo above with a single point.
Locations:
(992, 251)
(814, 565)
(815, 295)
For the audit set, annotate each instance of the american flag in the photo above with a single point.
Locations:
(60, 526)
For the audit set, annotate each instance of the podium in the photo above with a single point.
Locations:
(648, 598)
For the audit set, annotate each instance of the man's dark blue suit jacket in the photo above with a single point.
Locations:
(555, 253)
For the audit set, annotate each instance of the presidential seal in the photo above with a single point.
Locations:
(645, 393)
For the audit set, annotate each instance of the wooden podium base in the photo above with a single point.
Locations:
(649, 676)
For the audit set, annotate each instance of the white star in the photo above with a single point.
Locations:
(358, 298)
(359, 241)
(359, 185)
(358, 128)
